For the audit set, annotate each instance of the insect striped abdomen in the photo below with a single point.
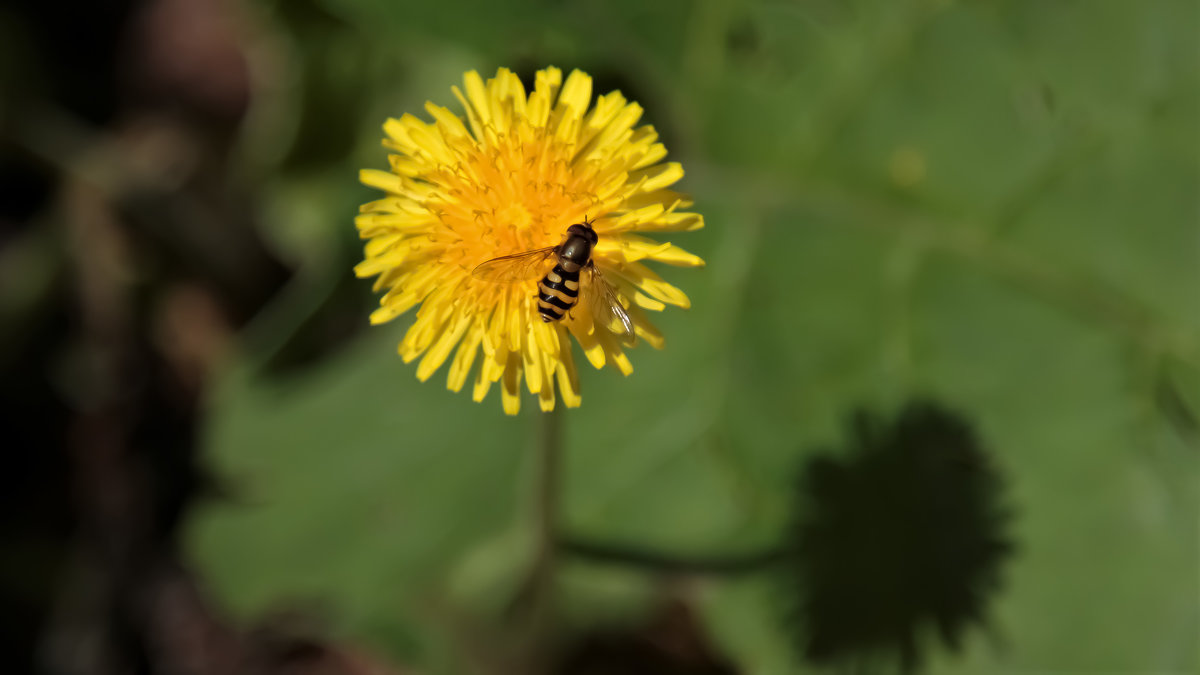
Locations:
(558, 292)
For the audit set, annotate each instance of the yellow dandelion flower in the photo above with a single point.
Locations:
(513, 178)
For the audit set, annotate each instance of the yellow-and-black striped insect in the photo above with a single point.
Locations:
(560, 288)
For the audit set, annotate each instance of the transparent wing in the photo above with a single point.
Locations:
(516, 267)
(605, 304)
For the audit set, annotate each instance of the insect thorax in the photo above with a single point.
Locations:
(576, 250)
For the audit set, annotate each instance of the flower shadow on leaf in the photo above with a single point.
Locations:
(896, 538)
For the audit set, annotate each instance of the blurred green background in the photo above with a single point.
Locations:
(989, 203)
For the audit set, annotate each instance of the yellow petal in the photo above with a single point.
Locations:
(568, 380)
(648, 302)
(546, 391)
(532, 361)
(573, 98)
(493, 367)
(493, 339)
(482, 385)
(440, 351)
(400, 253)
(546, 337)
(380, 245)
(403, 165)
(449, 123)
(512, 92)
(390, 205)
(510, 391)
(395, 221)
(477, 101)
(605, 144)
(607, 107)
(632, 248)
(585, 333)
(399, 301)
(645, 329)
(629, 220)
(464, 358)
(613, 352)
(382, 180)
(666, 196)
(675, 222)
(677, 257)
(642, 277)
(658, 176)
(544, 89)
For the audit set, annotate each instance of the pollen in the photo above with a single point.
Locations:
(510, 176)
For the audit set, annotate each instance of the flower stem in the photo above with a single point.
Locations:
(541, 584)
(546, 506)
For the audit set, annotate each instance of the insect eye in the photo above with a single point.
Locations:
(584, 231)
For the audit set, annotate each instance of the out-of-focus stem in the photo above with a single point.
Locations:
(546, 507)
(650, 560)
(548, 489)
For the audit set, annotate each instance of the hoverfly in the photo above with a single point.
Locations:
(560, 288)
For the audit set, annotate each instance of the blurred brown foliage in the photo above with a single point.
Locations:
(128, 255)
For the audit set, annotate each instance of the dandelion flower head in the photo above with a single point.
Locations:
(512, 178)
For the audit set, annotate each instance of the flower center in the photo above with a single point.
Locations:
(515, 215)
(514, 196)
